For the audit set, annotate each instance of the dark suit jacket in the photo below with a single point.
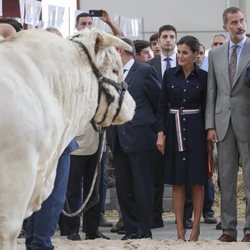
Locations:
(156, 63)
(140, 133)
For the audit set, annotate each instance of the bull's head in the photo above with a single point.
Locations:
(115, 104)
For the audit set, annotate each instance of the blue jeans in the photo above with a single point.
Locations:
(209, 198)
(42, 224)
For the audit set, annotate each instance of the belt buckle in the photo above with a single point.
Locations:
(181, 110)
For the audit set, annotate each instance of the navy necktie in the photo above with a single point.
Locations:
(168, 64)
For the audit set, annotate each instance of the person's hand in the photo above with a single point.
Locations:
(160, 143)
(212, 136)
(105, 16)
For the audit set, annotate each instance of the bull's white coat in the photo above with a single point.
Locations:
(48, 94)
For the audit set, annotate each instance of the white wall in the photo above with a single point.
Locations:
(201, 18)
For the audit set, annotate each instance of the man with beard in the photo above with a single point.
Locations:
(228, 118)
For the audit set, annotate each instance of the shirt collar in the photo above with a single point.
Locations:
(129, 64)
(173, 56)
(240, 44)
(178, 69)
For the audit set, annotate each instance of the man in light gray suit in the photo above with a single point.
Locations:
(228, 118)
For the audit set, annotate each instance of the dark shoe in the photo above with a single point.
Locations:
(218, 226)
(114, 230)
(120, 230)
(188, 224)
(226, 238)
(104, 223)
(157, 225)
(129, 237)
(209, 219)
(97, 235)
(145, 236)
(246, 238)
(74, 237)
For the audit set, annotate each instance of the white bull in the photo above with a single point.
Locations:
(48, 94)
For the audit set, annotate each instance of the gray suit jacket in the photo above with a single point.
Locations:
(226, 102)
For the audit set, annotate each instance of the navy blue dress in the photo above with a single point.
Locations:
(181, 114)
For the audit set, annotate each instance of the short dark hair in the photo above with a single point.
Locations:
(153, 37)
(13, 22)
(191, 41)
(140, 45)
(230, 10)
(222, 35)
(129, 42)
(83, 14)
(167, 27)
(202, 45)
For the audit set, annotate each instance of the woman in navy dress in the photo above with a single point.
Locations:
(181, 136)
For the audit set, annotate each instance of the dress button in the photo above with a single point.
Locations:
(187, 81)
(184, 119)
(184, 139)
(172, 86)
(184, 100)
(183, 129)
(184, 90)
(184, 158)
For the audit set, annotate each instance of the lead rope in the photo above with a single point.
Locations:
(94, 188)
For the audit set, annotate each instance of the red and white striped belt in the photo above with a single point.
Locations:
(178, 113)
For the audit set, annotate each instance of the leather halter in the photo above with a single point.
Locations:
(121, 87)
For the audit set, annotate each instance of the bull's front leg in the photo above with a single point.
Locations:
(16, 185)
(8, 234)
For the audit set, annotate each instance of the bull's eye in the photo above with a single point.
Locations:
(115, 71)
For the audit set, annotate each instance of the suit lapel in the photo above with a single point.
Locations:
(158, 66)
(225, 64)
(244, 58)
(131, 74)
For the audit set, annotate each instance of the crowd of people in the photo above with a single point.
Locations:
(186, 104)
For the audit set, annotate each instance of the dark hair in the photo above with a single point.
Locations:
(129, 42)
(202, 47)
(230, 10)
(83, 14)
(167, 27)
(140, 45)
(13, 22)
(154, 37)
(191, 41)
(222, 35)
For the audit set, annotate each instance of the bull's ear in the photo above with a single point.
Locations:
(104, 39)
(99, 42)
